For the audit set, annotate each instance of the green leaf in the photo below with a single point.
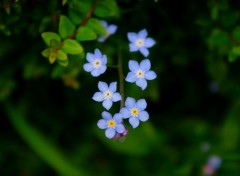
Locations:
(236, 33)
(61, 55)
(71, 46)
(214, 13)
(84, 34)
(52, 57)
(107, 8)
(75, 16)
(236, 50)
(64, 2)
(233, 56)
(96, 26)
(66, 27)
(46, 53)
(45, 149)
(218, 38)
(63, 63)
(48, 36)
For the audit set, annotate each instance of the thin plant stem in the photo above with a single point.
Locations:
(121, 78)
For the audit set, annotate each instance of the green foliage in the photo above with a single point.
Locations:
(71, 46)
(96, 26)
(49, 36)
(107, 8)
(66, 27)
(85, 34)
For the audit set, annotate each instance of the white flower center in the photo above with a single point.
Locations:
(111, 123)
(139, 42)
(140, 73)
(107, 94)
(134, 112)
(97, 63)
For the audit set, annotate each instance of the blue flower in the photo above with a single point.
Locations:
(140, 42)
(140, 73)
(111, 29)
(113, 125)
(97, 63)
(108, 94)
(214, 161)
(134, 111)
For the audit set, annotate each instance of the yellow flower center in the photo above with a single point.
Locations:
(140, 73)
(97, 63)
(107, 94)
(134, 112)
(139, 42)
(111, 123)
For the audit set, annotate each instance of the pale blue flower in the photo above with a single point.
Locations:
(97, 63)
(214, 161)
(111, 29)
(135, 111)
(113, 125)
(140, 42)
(139, 73)
(107, 94)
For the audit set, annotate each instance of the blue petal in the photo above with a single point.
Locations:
(104, 60)
(98, 96)
(134, 121)
(130, 102)
(149, 42)
(133, 47)
(141, 104)
(106, 115)
(117, 118)
(145, 65)
(142, 34)
(120, 128)
(144, 51)
(102, 86)
(88, 67)
(116, 97)
(141, 83)
(132, 37)
(104, 23)
(113, 87)
(107, 104)
(90, 57)
(143, 116)
(131, 77)
(98, 53)
(133, 65)
(110, 133)
(102, 124)
(95, 72)
(102, 69)
(112, 29)
(102, 38)
(125, 113)
(150, 75)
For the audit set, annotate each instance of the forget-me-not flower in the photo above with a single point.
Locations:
(113, 125)
(97, 63)
(139, 73)
(107, 94)
(135, 111)
(111, 29)
(140, 42)
(214, 161)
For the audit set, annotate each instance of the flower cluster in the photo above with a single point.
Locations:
(133, 110)
(213, 163)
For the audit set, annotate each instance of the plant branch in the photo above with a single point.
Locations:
(121, 78)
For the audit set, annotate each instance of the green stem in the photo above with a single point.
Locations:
(121, 78)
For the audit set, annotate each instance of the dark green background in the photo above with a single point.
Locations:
(48, 119)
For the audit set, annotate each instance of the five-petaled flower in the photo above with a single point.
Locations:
(140, 73)
(97, 63)
(108, 94)
(140, 42)
(134, 111)
(111, 29)
(113, 125)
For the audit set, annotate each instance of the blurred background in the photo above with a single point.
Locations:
(48, 118)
